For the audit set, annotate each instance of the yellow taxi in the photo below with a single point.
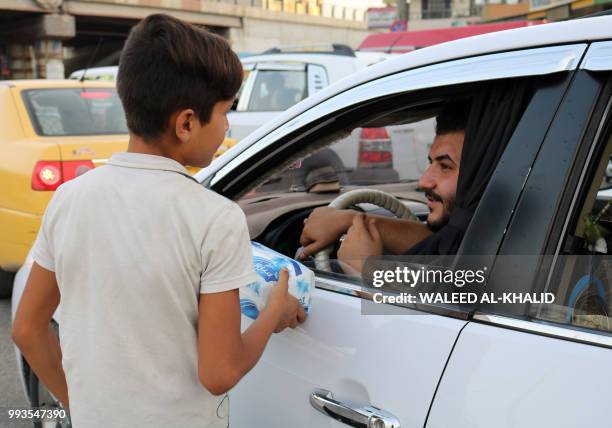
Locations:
(51, 132)
(226, 145)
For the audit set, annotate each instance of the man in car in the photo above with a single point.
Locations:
(369, 235)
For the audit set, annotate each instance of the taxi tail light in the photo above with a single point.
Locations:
(72, 169)
(49, 175)
(375, 148)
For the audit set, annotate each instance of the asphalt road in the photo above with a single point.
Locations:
(11, 393)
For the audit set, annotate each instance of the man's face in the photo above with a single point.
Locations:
(439, 181)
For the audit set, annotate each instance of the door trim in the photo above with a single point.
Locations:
(542, 328)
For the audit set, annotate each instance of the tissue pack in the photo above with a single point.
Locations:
(268, 264)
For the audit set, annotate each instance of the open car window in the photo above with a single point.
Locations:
(366, 156)
(384, 146)
(387, 152)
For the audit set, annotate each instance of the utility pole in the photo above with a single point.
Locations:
(402, 10)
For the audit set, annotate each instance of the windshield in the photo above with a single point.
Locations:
(75, 111)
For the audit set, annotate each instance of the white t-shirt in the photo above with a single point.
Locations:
(132, 245)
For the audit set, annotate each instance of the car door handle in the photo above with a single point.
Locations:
(355, 415)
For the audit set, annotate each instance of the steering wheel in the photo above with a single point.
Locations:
(358, 196)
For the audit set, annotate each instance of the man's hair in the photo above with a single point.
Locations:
(453, 116)
(167, 65)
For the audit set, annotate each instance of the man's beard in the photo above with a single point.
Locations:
(447, 208)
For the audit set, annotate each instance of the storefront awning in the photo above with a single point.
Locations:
(401, 42)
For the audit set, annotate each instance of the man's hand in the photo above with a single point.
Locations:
(323, 227)
(362, 241)
(290, 311)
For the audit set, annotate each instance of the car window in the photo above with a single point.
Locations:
(75, 111)
(581, 282)
(245, 77)
(389, 158)
(277, 90)
(366, 156)
(385, 146)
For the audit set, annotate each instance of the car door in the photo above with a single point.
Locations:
(271, 89)
(550, 363)
(389, 365)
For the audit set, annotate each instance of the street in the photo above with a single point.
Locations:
(11, 393)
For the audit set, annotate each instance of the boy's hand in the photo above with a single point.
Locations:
(323, 227)
(290, 311)
(225, 354)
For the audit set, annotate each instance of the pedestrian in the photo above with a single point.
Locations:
(145, 261)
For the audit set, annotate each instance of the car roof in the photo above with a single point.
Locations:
(310, 57)
(50, 84)
(579, 30)
(567, 32)
(109, 69)
(337, 66)
(329, 61)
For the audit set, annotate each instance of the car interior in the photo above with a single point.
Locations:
(380, 144)
(348, 160)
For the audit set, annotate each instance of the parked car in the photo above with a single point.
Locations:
(108, 73)
(533, 365)
(67, 127)
(52, 131)
(280, 78)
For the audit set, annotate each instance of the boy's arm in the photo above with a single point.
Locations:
(225, 355)
(33, 335)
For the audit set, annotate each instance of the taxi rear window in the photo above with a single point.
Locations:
(75, 111)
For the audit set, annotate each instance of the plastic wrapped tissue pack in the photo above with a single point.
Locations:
(268, 264)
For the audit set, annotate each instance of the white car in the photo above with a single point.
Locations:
(277, 81)
(533, 364)
(96, 73)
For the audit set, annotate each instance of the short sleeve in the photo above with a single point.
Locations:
(42, 250)
(227, 260)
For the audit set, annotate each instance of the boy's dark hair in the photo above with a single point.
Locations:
(453, 116)
(167, 65)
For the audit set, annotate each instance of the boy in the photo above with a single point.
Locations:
(147, 261)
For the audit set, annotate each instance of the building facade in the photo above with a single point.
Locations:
(351, 10)
(46, 38)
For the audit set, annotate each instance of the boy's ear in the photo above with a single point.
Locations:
(183, 123)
